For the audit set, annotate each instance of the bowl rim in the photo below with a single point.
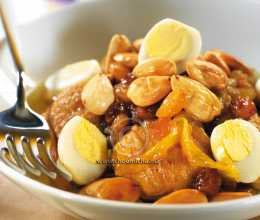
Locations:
(46, 189)
(15, 176)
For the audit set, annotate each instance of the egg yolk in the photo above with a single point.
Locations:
(169, 40)
(232, 141)
(89, 142)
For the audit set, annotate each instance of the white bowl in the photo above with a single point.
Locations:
(83, 31)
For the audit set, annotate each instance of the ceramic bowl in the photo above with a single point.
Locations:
(82, 31)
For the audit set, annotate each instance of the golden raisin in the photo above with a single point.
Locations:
(243, 108)
(117, 71)
(143, 113)
(121, 92)
(207, 181)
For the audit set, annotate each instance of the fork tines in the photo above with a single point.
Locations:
(32, 161)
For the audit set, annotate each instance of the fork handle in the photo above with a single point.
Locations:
(20, 103)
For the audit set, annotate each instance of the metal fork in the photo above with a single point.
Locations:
(26, 134)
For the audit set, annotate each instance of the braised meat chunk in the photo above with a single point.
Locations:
(67, 105)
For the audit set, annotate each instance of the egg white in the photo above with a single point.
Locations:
(249, 168)
(83, 172)
(71, 75)
(196, 43)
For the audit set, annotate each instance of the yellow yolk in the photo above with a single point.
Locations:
(171, 40)
(233, 141)
(90, 142)
(238, 141)
(80, 144)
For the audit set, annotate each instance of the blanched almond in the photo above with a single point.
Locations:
(234, 63)
(223, 196)
(215, 58)
(116, 188)
(137, 44)
(203, 105)
(127, 59)
(98, 94)
(118, 44)
(145, 91)
(207, 73)
(155, 67)
(183, 196)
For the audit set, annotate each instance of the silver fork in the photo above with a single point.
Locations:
(26, 134)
